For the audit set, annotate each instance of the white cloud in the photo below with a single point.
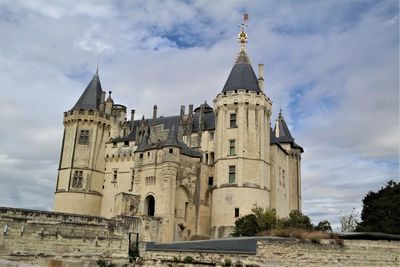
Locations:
(333, 66)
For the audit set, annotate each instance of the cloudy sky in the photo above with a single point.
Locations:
(333, 67)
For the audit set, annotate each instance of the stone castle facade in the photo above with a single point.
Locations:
(198, 171)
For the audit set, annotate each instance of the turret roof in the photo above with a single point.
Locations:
(91, 97)
(242, 75)
(281, 133)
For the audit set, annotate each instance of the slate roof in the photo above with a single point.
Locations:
(242, 75)
(171, 141)
(281, 133)
(207, 108)
(281, 130)
(91, 97)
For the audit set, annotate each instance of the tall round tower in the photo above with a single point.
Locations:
(81, 169)
(242, 161)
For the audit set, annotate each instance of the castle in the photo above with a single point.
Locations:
(198, 171)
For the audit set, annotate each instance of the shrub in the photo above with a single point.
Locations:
(227, 262)
(188, 259)
(104, 263)
(266, 220)
(246, 226)
(296, 220)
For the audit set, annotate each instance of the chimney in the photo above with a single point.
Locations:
(102, 100)
(154, 114)
(132, 118)
(182, 111)
(261, 76)
(191, 110)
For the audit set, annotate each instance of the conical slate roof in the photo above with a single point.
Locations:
(281, 130)
(91, 97)
(242, 75)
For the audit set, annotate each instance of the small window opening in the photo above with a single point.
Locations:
(232, 174)
(115, 176)
(126, 143)
(232, 147)
(232, 120)
(141, 155)
(114, 144)
(236, 212)
(210, 181)
(171, 151)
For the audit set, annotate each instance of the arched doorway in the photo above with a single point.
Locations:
(149, 205)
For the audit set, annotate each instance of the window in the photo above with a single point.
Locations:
(171, 150)
(126, 143)
(211, 136)
(84, 137)
(210, 181)
(115, 144)
(186, 210)
(232, 174)
(115, 176)
(148, 154)
(232, 120)
(132, 180)
(232, 147)
(236, 212)
(77, 180)
(141, 155)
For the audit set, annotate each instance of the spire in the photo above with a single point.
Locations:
(242, 39)
(242, 75)
(91, 97)
(281, 130)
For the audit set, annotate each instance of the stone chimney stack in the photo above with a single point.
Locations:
(132, 118)
(154, 114)
(261, 76)
(182, 111)
(102, 101)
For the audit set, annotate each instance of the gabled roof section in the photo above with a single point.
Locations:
(242, 75)
(91, 97)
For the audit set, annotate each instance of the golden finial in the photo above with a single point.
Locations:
(243, 35)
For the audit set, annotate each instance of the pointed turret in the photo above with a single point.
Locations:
(172, 139)
(242, 75)
(281, 130)
(91, 97)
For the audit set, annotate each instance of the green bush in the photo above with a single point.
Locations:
(188, 259)
(246, 226)
(227, 262)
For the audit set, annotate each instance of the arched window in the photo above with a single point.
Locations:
(149, 205)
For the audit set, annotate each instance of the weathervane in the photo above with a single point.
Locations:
(243, 35)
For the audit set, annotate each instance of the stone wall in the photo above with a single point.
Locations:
(290, 253)
(58, 239)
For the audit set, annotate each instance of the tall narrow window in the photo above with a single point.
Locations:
(132, 180)
(210, 181)
(84, 137)
(115, 176)
(77, 180)
(232, 174)
(232, 145)
(186, 210)
(232, 120)
(237, 212)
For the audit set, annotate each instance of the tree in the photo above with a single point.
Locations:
(296, 220)
(324, 226)
(348, 223)
(246, 226)
(266, 219)
(381, 210)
